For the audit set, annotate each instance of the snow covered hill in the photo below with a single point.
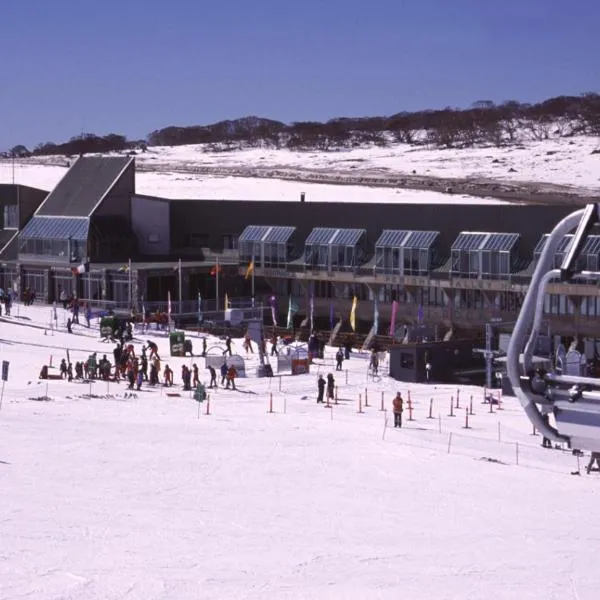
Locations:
(108, 495)
(399, 172)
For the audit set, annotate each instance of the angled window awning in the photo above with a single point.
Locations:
(501, 242)
(279, 234)
(334, 237)
(395, 238)
(56, 228)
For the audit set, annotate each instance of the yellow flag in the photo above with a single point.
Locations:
(353, 314)
(249, 269)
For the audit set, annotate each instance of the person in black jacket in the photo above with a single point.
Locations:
(320, 388)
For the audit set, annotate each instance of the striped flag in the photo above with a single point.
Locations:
(353, 313)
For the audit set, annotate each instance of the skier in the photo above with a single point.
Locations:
(321, 389)
(69, 323)
(227, 346)
(153, 349)
(70, 372)
(139, 380)
(374, 364)
(204, 346)
(223, 373)
(398, 406)
(168, 375)
(274, 351)
(63, 368)
(213, 376)
(195, 378)
(231, 375)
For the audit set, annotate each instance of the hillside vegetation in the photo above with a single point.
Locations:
(484, 123)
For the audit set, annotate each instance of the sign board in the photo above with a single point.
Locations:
(300, 366)
(5, 364)
(284, 363)
(177, 343)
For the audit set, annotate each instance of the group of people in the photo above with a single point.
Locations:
(6, 298)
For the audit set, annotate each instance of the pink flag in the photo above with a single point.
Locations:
(169, 305)
(393, 321)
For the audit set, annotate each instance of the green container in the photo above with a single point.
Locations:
(200, 393)
(177, 343)
(107, 327)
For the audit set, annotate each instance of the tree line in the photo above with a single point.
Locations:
(483, 123)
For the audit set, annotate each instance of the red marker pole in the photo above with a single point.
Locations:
(410, 410)
(208, 404)
(270, 403)
(366, 398)
(360, 410)
(457, 398)
(471, 406)
(451, 407)
(466, 426)
(382, 402)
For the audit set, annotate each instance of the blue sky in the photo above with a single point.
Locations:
(132, 66)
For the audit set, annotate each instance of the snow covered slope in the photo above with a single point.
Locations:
(399, 172)
(106, 496)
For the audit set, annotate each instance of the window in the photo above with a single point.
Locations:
(11, 217)
(197, 240)
(230, 242)
(407, 361)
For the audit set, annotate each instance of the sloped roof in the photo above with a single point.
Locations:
(88, 180)
(56, 228)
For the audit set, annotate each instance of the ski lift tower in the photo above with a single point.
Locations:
(488, 353)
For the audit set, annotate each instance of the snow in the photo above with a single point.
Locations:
(145, 497)
(186, 186)
(348, 175)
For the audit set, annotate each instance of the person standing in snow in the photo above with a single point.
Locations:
(63, 368)
(195, 378)
(339, 359)
(398, 406)
(213, 376)
(204, 346)
(320, 389)
(330, 386)
(228, 346)
(223, 373)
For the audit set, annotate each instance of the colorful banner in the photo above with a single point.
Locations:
(420, 314)
(249, 269)
(375, 314)
(273, 301)
(353, 313)
(393, 321)
(312, 311)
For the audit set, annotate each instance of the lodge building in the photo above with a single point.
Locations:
(454, 266)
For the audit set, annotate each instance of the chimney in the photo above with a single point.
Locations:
(302, 196)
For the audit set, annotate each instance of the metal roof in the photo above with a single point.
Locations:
(396, 238)
(334, 237)
(592, 245)
(83, 187)
(469, 240)
(489, 241)
(279, 234)
(501, 242)
(56, 228)
(320, 235)
(254, 233)
(561, 248)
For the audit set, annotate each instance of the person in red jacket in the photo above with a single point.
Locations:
(398, 406)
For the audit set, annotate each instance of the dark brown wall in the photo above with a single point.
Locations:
(118, 200)
(217, 217)
(27, 198)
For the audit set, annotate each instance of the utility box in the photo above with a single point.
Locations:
(177, 343)
(407, 361)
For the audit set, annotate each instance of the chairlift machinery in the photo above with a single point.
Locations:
(573, 399)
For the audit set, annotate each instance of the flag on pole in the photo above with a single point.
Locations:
(420, 315)
(393, 321)
(143, 312)
(376, 314)
(169, 305)
(353, 313)
(312, 311)
(331, 316)
(249, 269)
(226, 301)
(292, 310)
(215, 270)
(272, 302)
(200, 315)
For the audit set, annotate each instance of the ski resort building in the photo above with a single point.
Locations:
(454, 267)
